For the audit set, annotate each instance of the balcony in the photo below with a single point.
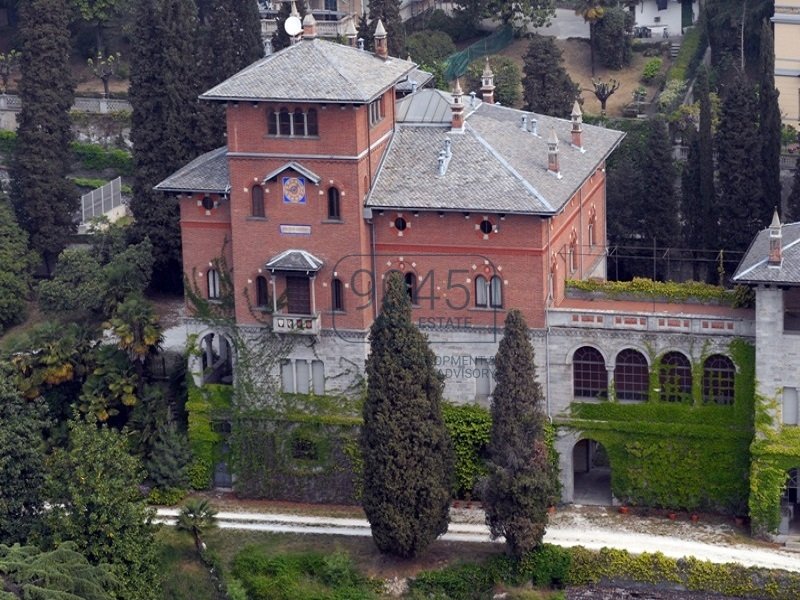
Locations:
(297, 324)
(330, 23)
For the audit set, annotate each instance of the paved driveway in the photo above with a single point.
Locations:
(565, 24)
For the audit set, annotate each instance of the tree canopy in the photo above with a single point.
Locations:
(404, 443)
(547, 88)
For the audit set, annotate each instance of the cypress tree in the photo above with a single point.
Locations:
(163, 92)
(743, 210)
(769, 120)
(44, 200)
(693, 223)
(522, 482)
(231, 41)
(792, 212)
(707, 208)
(404, 443)
(363, 32)
(658, 221)
(388, 11)
(547, 87)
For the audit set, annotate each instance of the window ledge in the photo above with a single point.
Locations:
(251, 218)
(334, 221)
(273, 136)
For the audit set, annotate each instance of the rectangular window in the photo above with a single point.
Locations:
(318, 376)
(302, 376)
(331, 5)
(375, 111)
(484, 384)
(790, 416)
(287, 376)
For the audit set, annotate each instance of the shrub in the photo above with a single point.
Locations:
(507, 79)
(651, 70)
(691, 53)
(96, 158)
(469, 427)
(671, 96)
(612, 44)
(166, 496)
(429, 47)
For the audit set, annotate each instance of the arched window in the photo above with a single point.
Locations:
(257, 195)
(481, 292)
(285, 122)
(337, 295)
(573, 256)
(675, 377)
(213, 284)
(592, 233)
(496, 292)
(411, 286)
(311, 122)
(631, 376)
(589, 374)
(262, 295)
(333, 204)
(272, 122)
(299, 122)
(719, 374)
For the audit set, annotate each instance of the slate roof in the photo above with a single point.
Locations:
(294, 260)
(754, 267)
(313, 70)
(418, 76)
(206, 173)
(495, 165)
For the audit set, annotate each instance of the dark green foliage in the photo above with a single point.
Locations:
(612, 44)
(293, 576)
(769, 121)
(792, 212)
(61, 574)
(658, 215)
(404, 444)
(96, 503)
(96, 158)
(388, 11)
(522, 483)
(231, 41)
(168, 463)
(280, 39)
(705, 235)
(21, 463)
(163, 91)
(44, 200)
(429, 47)
(506, 79)
(364, 32)
(16, 264)
(743, 209)
(547, 88)
(534, 12)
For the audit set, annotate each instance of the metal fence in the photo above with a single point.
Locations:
(456, 64)
(101, 200)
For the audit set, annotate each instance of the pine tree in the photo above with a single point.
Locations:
(281, 39)
(769, 120)
(21, 463)
(693, 223)
(743, 210)
(163, 92)
(404, 443)
(44, 201)
(96, 503)
(522, 482)
(547, 87)
(388, 11)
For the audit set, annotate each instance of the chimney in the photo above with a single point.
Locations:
(487, 83)
(524, 123)
(350, 33)
(775, 242)
(534, 125)
(552, 155)
(381, 43)
(457, 108)
(577, 126)
(309, 26)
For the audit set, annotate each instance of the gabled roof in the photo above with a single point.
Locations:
(294, 166)
(294, 260)
(754, 267)
(313, 70)
(206, 173)
(495, 164)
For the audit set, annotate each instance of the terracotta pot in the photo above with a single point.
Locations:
(695, 517)
(623, 510)
(672, 516)
(551, 510)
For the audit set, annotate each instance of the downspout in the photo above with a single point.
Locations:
(547, 332)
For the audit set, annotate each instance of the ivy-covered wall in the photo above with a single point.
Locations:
(682, 455)
(775, 450)
(206, 406)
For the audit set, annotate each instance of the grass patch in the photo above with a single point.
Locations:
(185, 577)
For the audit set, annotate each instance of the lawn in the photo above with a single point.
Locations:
(186, 578)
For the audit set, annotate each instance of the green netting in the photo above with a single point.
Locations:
(456, 64)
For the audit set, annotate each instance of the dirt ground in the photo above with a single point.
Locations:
(577, 62)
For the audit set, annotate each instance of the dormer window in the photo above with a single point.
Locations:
(288, 122)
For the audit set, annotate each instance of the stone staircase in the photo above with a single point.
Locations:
(674, 48)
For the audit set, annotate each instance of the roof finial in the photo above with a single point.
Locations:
(775, 241)
(381, 43)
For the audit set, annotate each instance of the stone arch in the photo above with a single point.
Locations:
(214, 360)
(631, 375)
(591, 472)
(790, 503)
(574, 348)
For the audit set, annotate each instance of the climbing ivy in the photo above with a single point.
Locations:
(205, 405)
(681, 455)
(469, 427)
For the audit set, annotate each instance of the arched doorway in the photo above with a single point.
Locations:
(790, 509)
(591, 472)
(216, 359)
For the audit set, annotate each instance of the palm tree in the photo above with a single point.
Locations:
(591, 11)
(197, 517)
